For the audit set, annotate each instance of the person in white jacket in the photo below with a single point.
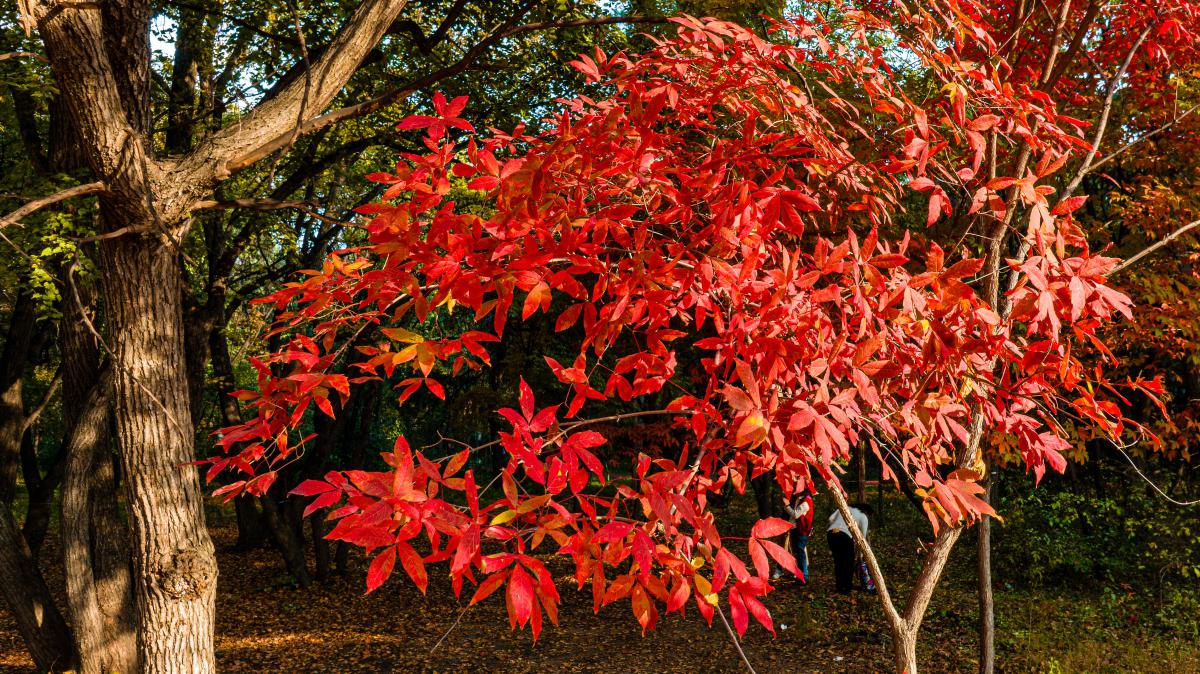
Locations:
(841, 545)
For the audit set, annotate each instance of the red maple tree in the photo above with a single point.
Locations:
(739, 197)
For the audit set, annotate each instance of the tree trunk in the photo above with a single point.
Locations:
(41, 625)
(17, 346)
(987, 624)
(173, 556)
(284, 537)
(251, 528)
(904, 644)
(95, 538)
(106, 642)
(321, 553)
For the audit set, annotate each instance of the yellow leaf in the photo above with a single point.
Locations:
(506, 516)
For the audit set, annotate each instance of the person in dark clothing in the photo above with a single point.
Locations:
(841, 545)
(800, 514)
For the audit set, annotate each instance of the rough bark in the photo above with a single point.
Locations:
(99, 56)
(95, 539)
(39, 621)
(99, 649)
(173, 555)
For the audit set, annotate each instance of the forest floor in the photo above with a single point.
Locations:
(264, 625)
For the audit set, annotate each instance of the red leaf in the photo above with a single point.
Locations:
(770, 527)
(520, 595)
(381, 568)
(413, 565)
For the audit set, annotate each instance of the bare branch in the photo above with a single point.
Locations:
(1142, 138)
(257, 134)
(38, 204)
(32, 417)
(737, 644)
(23, 54)
(463, 64)
(1102, 125)
(305, 207)
(1155, 246)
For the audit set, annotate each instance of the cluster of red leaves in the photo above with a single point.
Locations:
(697, 203)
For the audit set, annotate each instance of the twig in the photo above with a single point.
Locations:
(736, 644)
(1151, 482)
(1150, 249)
(456, 621)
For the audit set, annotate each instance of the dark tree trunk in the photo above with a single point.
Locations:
(17, 346)
(283, 535)
(321, 553)
(41, 625)
(41, 503)
(252, 532)
(95, 539)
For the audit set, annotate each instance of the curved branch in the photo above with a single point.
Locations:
(38, 204)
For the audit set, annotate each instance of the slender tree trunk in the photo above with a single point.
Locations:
(987, 624)
(284, 537)
(173, 556)
(17, 346)
(95, 538)
(251, 528)
(101, 648)
(41, 625)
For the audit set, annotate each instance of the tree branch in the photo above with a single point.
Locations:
(38, 204)
(261, 131)
(1153, 247)
(463, 64)
(32, 417)
(1102, 125)
(1140, 139)
(23, 54)
(305, 207)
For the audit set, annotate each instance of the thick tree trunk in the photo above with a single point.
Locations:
(987, 622)
(174, 564)
(41, 625)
